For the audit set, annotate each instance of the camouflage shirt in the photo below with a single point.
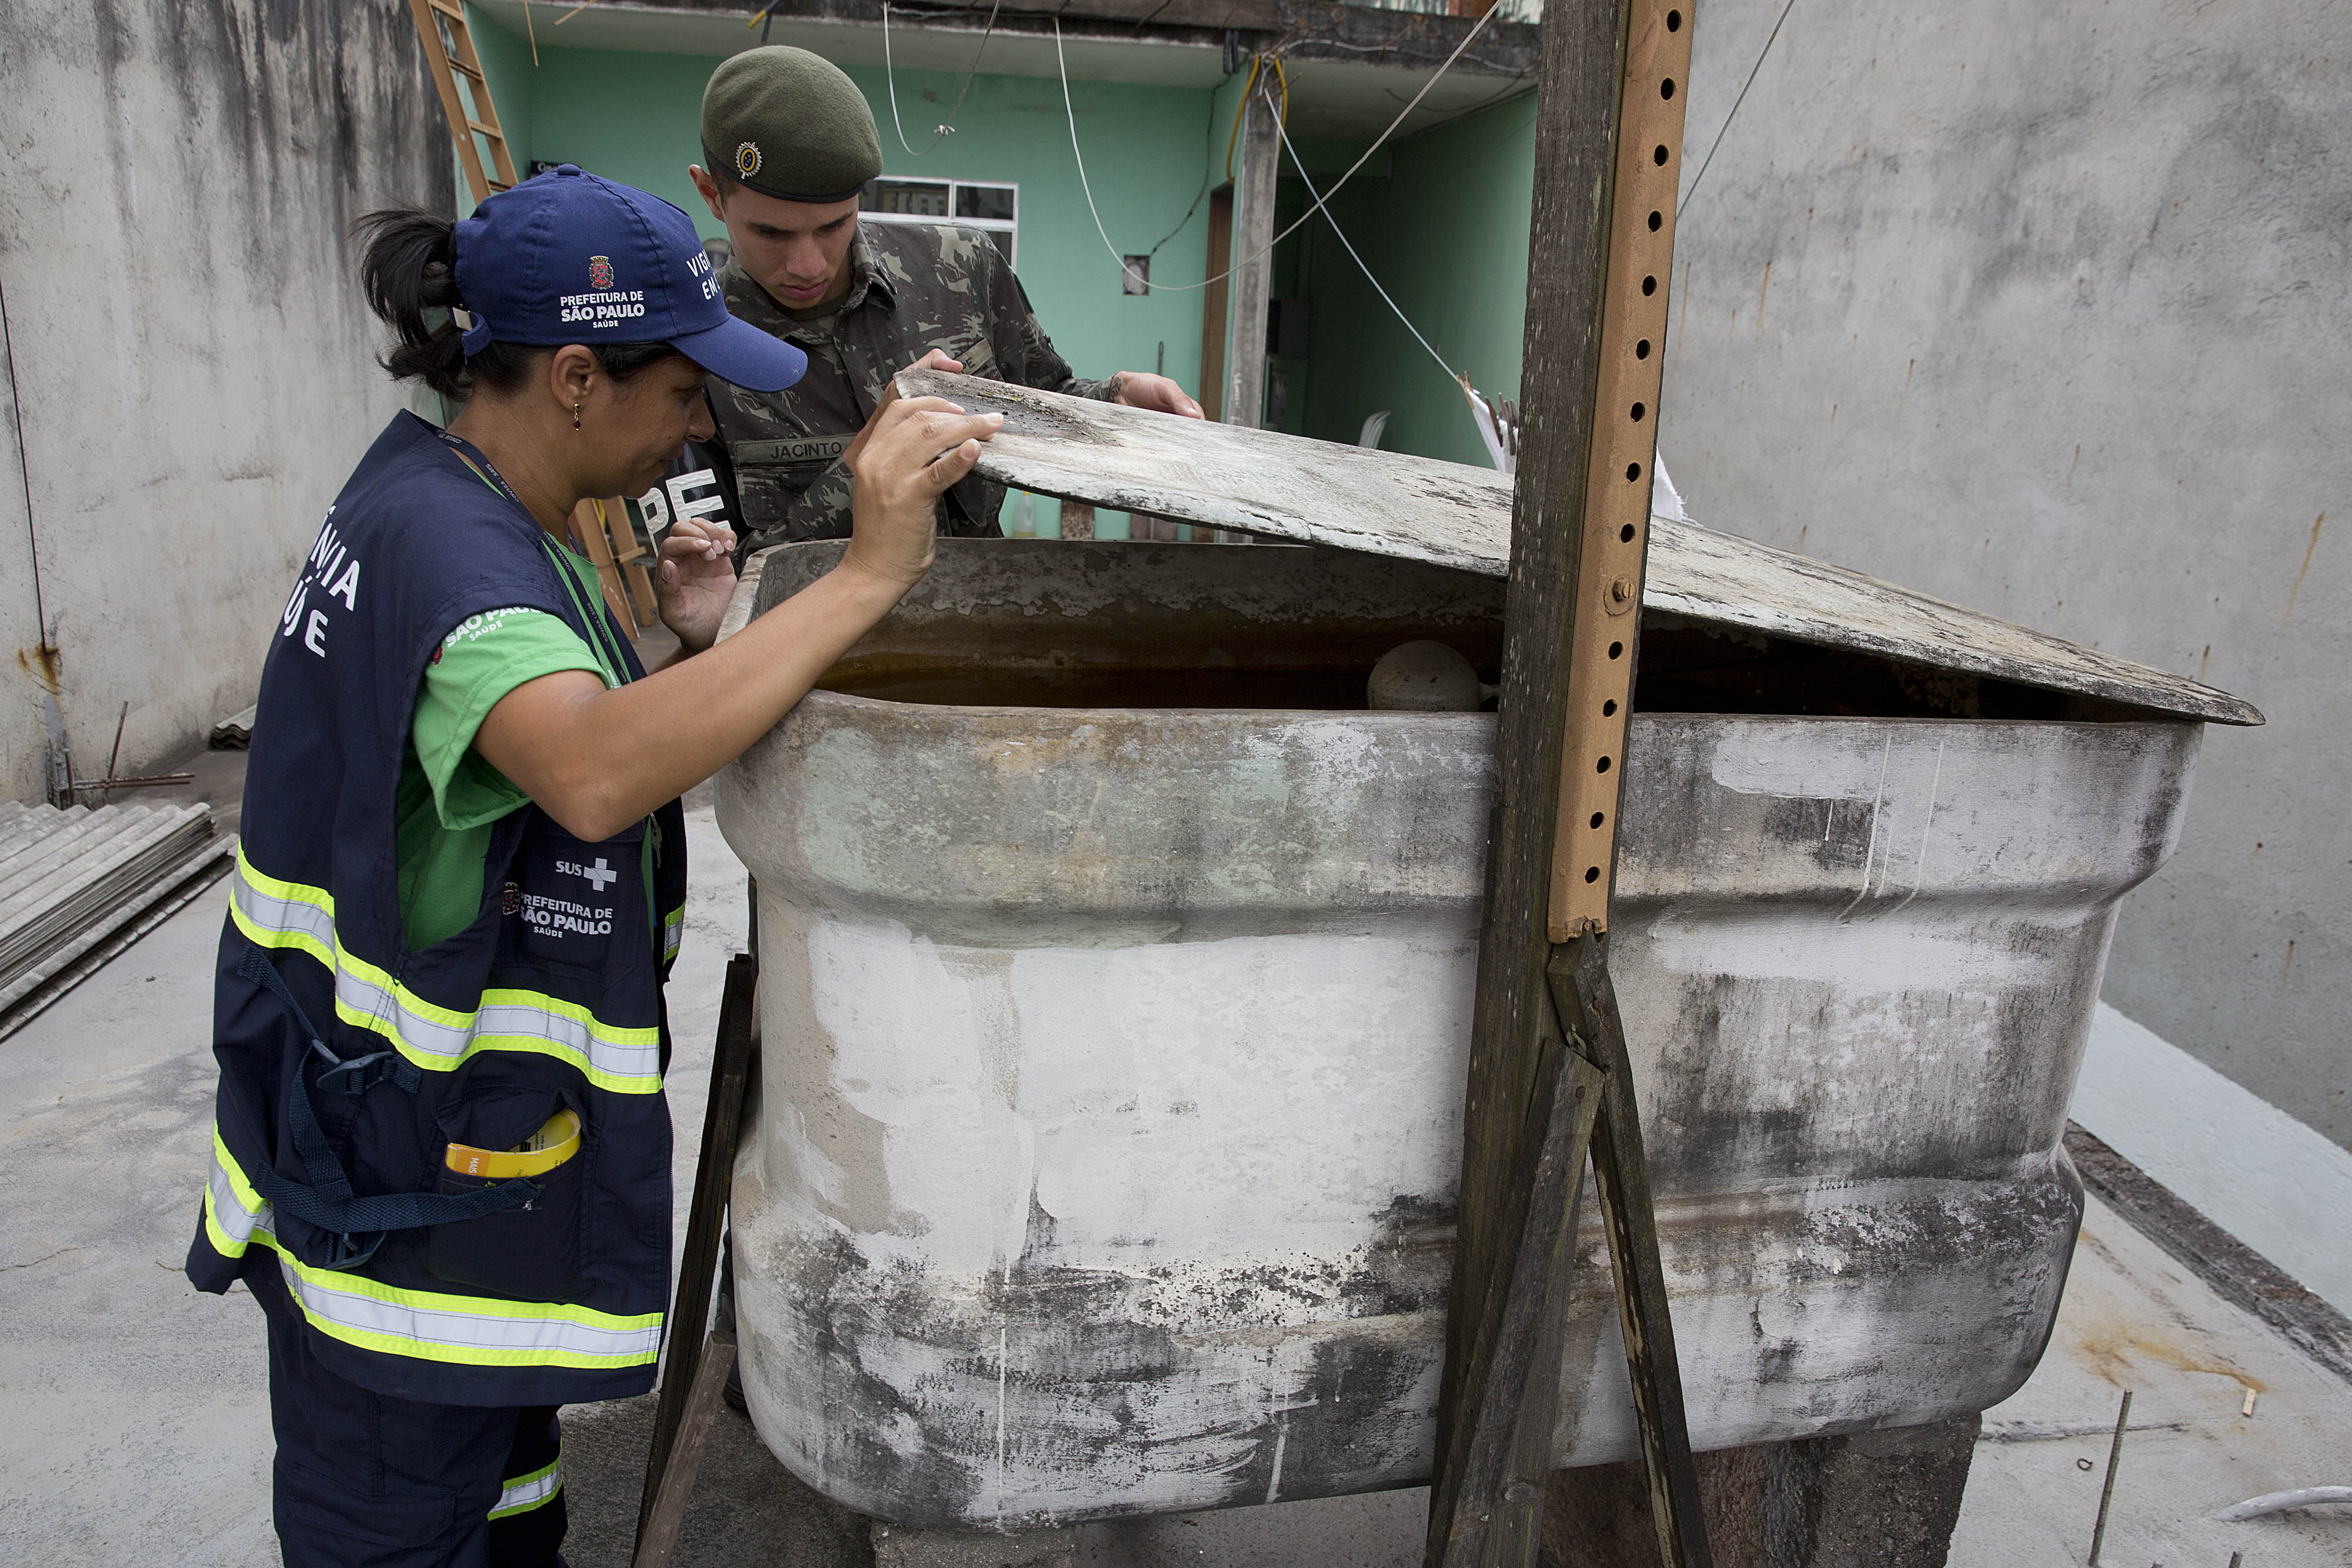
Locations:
(913, 288)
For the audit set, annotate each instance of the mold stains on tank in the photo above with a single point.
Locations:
(1037, 1238)
(1094, 1361)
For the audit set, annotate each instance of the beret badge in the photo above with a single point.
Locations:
(747, 158)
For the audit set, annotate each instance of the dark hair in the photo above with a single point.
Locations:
(411, 268)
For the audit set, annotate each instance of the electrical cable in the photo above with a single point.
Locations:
(1178, 287)
(1241, 105)
(1519, 87)
(890, 80)
(1305, 179)
(24, 471)
(1735, 110)
(1208, 134)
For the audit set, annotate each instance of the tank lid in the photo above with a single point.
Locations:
(1454, 515)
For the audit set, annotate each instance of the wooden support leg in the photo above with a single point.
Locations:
(658, 1538)
(1581, 992)
(1492, 1507)
(714, 1173)
(1876, 1499)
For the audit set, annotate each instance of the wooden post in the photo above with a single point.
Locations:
(1216, 319)
(1600, 229)
(1252, 280)
(714, 1177)
(659, 1541)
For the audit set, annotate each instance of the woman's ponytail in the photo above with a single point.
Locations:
(410, 272)
(411, 268)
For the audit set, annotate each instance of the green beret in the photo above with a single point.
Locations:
(790, 125)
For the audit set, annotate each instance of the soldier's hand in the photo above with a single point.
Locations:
(907, 454)
(1159, 393)
(937, 359)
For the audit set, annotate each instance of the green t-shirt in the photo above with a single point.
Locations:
(450, 796)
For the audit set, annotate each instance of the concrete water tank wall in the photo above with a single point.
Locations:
(1115, 975)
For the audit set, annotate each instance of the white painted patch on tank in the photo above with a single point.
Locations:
(1080, 1081)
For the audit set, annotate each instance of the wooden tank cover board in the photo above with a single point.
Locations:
(1452, 515)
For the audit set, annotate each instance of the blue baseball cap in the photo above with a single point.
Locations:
(567, 257)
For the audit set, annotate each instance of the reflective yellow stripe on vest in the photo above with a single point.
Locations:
(472, 1331)
(277, 913)
(233, 1210)
(523, 1493)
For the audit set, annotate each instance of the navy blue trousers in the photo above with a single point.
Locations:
(366, 1480)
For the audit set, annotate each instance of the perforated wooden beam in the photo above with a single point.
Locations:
(1618, 474)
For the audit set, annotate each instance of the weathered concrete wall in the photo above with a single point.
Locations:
(192, 365)
(2040, 308)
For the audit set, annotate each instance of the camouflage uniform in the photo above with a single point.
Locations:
(913, 288)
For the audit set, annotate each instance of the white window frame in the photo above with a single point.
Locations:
(1008, 227)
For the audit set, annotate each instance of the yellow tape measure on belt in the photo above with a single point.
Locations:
(542, 1152)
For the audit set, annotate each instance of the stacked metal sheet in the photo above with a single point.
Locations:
(78, 885)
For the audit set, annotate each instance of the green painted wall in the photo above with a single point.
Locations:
(1441, 219)
(633, 117)
(1446, 234)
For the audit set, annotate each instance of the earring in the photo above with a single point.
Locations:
(575, 416)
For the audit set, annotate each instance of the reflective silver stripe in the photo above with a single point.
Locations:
(232, 1216)
(438, 1038)
(292, 916)
(229, 1216)
(611, 1057)
(358, 990)
(473, 1329)
(524, 1493)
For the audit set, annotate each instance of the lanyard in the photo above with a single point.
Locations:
(601, 638)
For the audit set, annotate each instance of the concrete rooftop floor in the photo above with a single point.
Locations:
(138, 1418)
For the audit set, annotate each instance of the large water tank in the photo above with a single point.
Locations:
(1115, 973)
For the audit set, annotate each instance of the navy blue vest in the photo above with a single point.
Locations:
(348, 1064)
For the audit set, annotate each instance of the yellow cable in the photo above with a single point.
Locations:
(1282, 79)
(1239, 109)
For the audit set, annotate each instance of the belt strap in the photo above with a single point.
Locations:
(328, 1201)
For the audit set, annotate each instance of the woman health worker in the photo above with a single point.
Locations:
(441, 1159)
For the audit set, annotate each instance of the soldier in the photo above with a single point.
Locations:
(790, 144)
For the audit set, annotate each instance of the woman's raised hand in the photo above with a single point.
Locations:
(911, 451)
(694, 581)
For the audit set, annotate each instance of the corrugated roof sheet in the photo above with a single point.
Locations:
(1451, 515)
(70, 878)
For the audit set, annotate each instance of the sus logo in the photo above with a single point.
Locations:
(600, 271)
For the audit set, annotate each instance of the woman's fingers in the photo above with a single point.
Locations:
(917, 431)
(949, 467)
(937, 359)
(691, 538)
